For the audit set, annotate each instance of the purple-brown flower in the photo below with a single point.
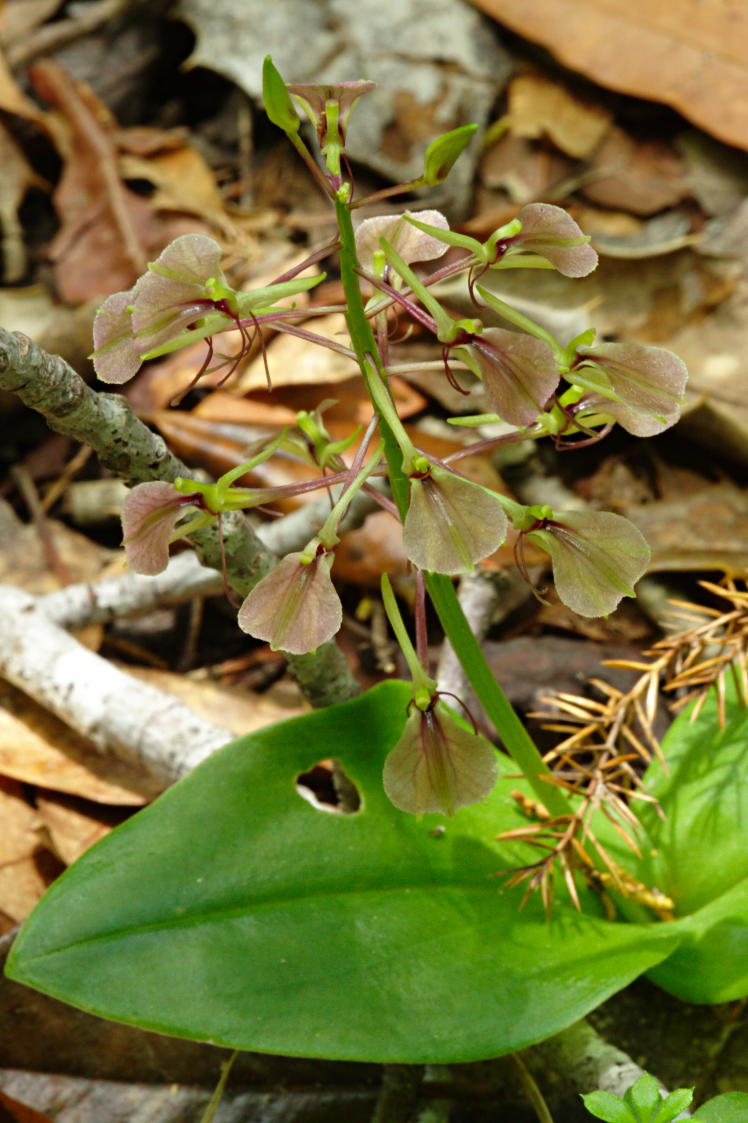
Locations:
(549, 231)
(295, 608)
(597, 557)
(407, 240)
(519, 373)
(149, 516)
(451, 522)
(180, 299)
(647, 384)
(316, 98)
(437, 765)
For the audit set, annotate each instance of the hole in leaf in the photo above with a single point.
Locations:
(328, 788)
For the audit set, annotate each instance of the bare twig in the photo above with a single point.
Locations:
(98, 602)
(117, 713)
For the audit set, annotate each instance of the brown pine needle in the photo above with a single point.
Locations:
(607, 741)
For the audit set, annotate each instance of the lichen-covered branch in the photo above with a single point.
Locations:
(126, 446)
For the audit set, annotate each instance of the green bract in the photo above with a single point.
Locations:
(442, 153)
(277, 100)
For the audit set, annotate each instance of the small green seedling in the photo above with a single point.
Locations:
(642, 1103)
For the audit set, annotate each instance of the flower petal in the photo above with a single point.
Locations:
(149, 515)
(551, 232)
(597, 558)
(648, 381)
(295, 608)
(451, 523)
(519, 373)
(408, 241)
(437, 765)
(117, 354)
(172, 293)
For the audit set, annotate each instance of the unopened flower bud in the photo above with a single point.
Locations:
(442, 154)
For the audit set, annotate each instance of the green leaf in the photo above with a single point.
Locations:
(673, 1105)
(700, 858)
(696, 854)
(644, 1097)
(731, 1107)
(704, 795)
(711, 964)
(233, 911)
(610, 1108)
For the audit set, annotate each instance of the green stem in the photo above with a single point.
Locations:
(422, 684)
(524, 322)
(365, 346)
(328, 535)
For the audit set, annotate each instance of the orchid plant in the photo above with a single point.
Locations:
(535, 385)
(382, 934)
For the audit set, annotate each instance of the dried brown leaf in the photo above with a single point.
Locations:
(37, 748)
(538, 107)
(698, 64)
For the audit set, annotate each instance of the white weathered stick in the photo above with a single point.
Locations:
(111, 598)
(589, 1061)
(161, 736)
